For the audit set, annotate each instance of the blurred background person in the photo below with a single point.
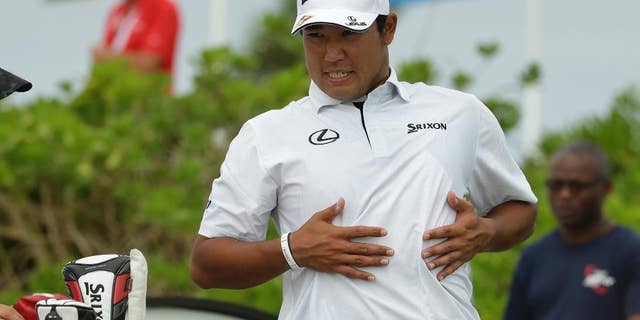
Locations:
(588, 268)
(143, 32)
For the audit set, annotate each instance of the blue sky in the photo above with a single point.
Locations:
(588, 49)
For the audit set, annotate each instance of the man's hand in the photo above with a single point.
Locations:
(321, 246)
(9, 313)
(468, 235)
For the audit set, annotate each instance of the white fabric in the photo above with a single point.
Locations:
(125, 28)
(138, 296)
(399, 180)
(65, 308)
(357, 15)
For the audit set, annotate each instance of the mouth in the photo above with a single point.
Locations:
(337, 75)
(565, 213)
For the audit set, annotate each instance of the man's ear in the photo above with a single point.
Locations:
(390, 28)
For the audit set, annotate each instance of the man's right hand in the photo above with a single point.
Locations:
(321, 246)
(9, 313)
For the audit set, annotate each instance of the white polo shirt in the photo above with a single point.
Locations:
(420, 142)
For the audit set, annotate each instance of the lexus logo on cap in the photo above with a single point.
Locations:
(303, 1)
(324, 136)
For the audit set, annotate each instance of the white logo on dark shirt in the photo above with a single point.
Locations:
(597, 279)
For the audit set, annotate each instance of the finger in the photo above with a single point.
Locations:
(368, 249)
(452, 199)
(362, 231)
(458, 204)
(352, 272)
(440, 249)
(331, 212)
(449, 269)
(363, 261)
(444, 232)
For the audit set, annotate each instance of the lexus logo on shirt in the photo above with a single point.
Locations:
(324, 136)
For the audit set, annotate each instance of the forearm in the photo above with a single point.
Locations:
(233, 264)
(140, 61)
(513, 222)
(144, 62)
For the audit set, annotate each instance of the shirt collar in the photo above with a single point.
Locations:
(384, 92)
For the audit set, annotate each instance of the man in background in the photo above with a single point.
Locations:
(143, 32)
(588, 268)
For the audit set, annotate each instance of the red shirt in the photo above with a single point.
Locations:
(147, 26)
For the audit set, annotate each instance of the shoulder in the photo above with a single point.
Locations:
(278, 117)
(421, 91)
(543, 245)
(453, 102)
(158, 6)
(626, 238)
(116, 10)
(271, 127)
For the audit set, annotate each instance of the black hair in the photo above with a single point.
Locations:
(381, 20)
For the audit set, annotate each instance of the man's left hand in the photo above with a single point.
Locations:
(468, 235)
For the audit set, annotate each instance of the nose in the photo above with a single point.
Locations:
(334, 50)
(564, 192)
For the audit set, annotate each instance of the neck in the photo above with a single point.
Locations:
(587, 233)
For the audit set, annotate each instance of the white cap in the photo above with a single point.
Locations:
(356, 15)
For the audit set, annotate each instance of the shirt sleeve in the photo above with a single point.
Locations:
(632, 296)
(161, 34)
(496, 177)
(111, 25)
(244, 195)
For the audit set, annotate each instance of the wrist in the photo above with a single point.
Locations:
(286, 251)
(490, 232)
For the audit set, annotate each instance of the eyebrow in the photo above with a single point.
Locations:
(313, 27)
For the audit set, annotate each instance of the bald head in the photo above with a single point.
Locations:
(586, 150)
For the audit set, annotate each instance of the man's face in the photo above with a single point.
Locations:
(347, 65)
(576, 190)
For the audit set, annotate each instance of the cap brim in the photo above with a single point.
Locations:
(10, 83)
(352, 20)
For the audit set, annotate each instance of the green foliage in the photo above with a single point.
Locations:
(461, 80)
(506, 111)
(531, 74)
(420, 70)
(274, 47)
(488, 49)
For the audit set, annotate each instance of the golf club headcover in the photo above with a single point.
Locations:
(103, 282)
(138, 294)
(26, 305)
(54, 309)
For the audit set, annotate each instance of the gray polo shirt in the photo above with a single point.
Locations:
(393, 162)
